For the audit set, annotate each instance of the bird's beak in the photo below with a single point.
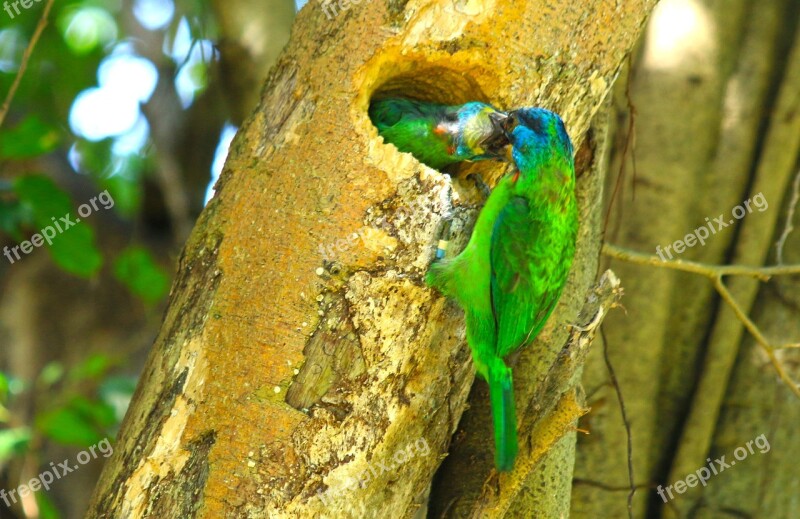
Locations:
(497, 141)
(498, 120)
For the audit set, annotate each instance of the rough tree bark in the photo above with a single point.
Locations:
(301, 348)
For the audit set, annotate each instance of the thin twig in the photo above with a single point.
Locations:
(704, 269)
(715, 274)
(757, 335)
(625, 421)
(610, 488)
(26, 56)
(789, 226)
(630, 141)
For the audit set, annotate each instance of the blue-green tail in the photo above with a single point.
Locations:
(501, 392)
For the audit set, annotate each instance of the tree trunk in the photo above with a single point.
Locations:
(301, 352)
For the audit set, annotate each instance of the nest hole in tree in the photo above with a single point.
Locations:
(439, 84)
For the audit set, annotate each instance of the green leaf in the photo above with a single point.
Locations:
(98, 412)
(47, 509)
(93, 367)
(42, 197)
(67, 427)
(81, 422)
(3, 387)
(137, 270)
(86, 28)
(51, 373)
(13, 442)
(71, 244)
(30, 138)
(117, 392)
(198, 73)
(76, 253)
(127, 194)
(14, 216)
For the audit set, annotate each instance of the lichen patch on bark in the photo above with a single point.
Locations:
(168, 457)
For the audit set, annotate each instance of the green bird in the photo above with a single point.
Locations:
(440, 135)
(510, 275)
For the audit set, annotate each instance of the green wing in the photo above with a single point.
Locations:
(523, 291)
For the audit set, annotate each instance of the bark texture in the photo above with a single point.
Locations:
(717, 123)
(301, 351)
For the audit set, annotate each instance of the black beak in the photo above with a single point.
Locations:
(498, 120)
(498, 140)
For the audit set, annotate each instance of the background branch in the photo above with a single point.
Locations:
(23, 64)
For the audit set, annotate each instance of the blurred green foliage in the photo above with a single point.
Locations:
(80, 403)
(47, 510)
(63, 414)
(29, 138)
(70, 418)
(72, 248)
(14, 442)
(136, 269)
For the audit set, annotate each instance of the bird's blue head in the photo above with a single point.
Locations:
(537, 133)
